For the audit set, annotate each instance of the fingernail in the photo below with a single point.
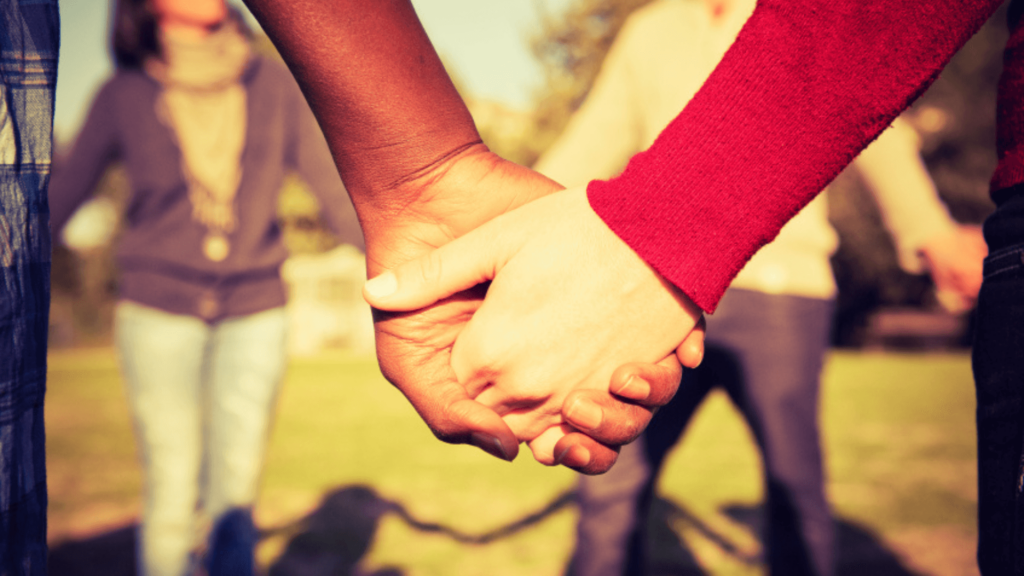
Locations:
(490, 444)
(382, 286)
(585, 415)
(635, 389)
(574, 457)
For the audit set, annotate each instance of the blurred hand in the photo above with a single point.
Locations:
(955, 262)
(569, 303)
(414, 348)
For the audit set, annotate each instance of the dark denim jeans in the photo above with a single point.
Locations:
(766, 351)
(999, 382)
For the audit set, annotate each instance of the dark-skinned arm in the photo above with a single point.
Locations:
(419, 176)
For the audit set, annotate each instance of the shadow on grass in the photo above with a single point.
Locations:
(108, 554)
(859, 552)
(331, 540)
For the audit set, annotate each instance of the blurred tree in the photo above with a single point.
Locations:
(571, 47)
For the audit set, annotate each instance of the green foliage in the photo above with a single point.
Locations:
(83, 285)
(570, 47)
(302, 225)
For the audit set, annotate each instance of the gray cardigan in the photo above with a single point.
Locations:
(160, 250)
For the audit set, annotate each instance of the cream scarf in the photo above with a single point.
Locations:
(204, 104)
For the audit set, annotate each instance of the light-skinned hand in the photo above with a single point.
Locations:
(414, 348)
(416, 171)
(568, 303)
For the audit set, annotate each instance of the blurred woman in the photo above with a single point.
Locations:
(206, 131)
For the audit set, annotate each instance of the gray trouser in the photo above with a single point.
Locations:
(766, 352)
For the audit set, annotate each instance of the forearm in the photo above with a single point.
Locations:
(907, 199)
(311, 159)
(806, 86)
(378, 89)
(74, 179)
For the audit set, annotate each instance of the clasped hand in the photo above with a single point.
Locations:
(568, 303)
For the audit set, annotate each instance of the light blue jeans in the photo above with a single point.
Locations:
(202, 398)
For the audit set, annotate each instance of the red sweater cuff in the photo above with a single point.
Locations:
(804, 88)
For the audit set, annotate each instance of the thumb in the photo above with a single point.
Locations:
(436, 275)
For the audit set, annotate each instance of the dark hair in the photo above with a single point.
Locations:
(134, 33)
(136, 36)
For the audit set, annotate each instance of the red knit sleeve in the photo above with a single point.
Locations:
(806, 85)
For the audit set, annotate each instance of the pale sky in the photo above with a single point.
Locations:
(485, 42)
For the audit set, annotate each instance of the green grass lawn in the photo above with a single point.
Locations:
(354, 478)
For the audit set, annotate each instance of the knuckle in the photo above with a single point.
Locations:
(631, 429)
(627, 427)
(430, 269)
(659, 398)
(526, 394)
(447, 425)
(598, 467)
(478, 357)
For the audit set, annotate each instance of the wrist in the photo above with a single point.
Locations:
(443, 200)
(409, 214)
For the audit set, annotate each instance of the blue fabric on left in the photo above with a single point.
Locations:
(29, 44)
